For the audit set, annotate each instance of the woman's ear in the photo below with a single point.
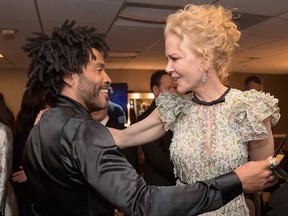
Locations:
(208, 59)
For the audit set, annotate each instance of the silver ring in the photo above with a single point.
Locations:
(273, 164)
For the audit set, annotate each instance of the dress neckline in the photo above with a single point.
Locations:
(221, 99)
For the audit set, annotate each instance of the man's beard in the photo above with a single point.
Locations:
(94, 102)
(90, 92)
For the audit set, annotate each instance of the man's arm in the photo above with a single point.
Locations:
(113, 177)
(256, 175)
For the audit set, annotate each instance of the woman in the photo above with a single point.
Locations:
(216, 128)
(30, 106)
(8, 203)
(6, 115)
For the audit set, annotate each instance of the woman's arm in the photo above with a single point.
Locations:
(262, 149)
(142, 132)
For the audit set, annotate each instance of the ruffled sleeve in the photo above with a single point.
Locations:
(252, 110)
(170, 106)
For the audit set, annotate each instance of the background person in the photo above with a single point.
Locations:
(253, 82)
(158, 167)
(6, 115)
(102, 116)
(115, 111)
(31, 105)
(8, 201)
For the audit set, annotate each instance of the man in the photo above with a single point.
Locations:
(158, 168)
(72, 160)
(115, 111)
(253, 82)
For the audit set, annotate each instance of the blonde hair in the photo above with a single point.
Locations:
(213, 28)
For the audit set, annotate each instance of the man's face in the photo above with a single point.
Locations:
(92, 85)
(254, 85)
(167, 84)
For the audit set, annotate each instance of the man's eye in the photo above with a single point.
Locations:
(99, 69)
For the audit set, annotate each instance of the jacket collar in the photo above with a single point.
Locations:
(63, 101)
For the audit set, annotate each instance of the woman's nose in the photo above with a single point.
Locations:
(169, 69)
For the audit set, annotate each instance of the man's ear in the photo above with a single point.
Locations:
(155, 90)
(69, 79)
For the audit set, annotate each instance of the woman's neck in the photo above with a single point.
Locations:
(210, 92)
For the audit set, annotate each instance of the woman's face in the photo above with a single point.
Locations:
(183, 64)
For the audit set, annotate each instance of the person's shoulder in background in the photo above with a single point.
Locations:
(115, 111)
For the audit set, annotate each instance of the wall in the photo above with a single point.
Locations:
(138, 80)
(12, 85)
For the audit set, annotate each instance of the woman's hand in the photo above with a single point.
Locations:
(39, 115)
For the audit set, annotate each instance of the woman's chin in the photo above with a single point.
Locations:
(181, 90)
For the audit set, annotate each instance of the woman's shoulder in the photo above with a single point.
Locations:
(171, 99)
(252, 96)
(6, 136)
(171, 106)
(254, 106)
(5, 130)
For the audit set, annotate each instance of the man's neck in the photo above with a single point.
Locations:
(105, 120)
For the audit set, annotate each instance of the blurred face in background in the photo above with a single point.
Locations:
(167, 84)
(254, 85)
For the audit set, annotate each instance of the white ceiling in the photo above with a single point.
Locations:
(264, 24)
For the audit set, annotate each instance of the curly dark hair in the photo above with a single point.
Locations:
(67, 51)
(31, 105)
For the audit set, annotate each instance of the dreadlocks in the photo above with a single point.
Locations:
(67, 51)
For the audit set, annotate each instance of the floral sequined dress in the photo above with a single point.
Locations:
(212, 139)
(8, 202)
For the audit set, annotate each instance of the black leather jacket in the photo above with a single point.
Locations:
(76, 169)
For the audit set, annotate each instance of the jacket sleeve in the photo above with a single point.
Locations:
(106, 170)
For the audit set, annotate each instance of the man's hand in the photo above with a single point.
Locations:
(257, 175)
(19, 176)
(118, 213)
